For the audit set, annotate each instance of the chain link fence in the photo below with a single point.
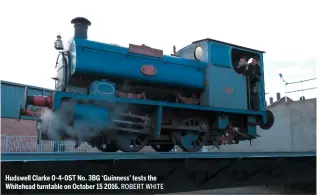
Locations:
(29, 144)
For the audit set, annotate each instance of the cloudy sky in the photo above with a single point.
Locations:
(286, 30)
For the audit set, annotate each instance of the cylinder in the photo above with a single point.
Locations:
(80, 27)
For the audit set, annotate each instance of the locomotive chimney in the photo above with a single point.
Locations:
(271, 100)
(278, 96)
(80, 27)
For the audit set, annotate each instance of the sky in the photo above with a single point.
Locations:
(286, 30)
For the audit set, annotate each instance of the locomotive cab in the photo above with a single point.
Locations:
(228, 86)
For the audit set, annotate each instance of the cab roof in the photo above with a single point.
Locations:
(229, 44)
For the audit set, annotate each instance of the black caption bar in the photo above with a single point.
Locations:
(75, 178)
(33, 183)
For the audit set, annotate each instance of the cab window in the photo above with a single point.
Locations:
(240, 57)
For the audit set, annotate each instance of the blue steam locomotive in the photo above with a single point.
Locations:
(118, 98)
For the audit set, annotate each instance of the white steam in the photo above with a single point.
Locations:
(60, 124)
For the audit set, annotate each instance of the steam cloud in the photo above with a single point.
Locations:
(60, 124)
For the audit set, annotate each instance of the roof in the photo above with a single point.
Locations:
(24, 85)
(280, 101)
(230, 44)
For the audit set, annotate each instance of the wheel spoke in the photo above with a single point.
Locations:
(198, 142)
(162, 148)
(102, 143)
(131, 142)
(138, 141)
(192, 141)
